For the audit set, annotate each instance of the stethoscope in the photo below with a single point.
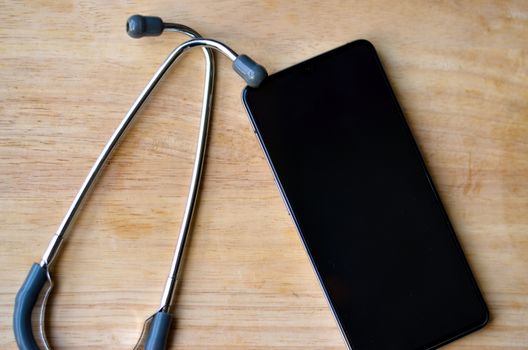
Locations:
(156, 328)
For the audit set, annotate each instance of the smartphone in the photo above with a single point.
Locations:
(357, 188)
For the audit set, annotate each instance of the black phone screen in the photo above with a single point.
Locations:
(365, 207)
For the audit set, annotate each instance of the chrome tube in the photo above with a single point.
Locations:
(58, 237)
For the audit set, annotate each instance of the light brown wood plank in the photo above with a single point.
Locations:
(69, 73)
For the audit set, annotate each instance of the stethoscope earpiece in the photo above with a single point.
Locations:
(252, 72)
(138, 26)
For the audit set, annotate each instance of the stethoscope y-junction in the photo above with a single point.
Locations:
(156, 327)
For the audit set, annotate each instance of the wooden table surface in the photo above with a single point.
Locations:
(69, 73)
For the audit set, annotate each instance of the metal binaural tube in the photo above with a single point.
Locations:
(58, 237)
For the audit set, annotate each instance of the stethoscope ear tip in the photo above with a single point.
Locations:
(138, 26)
(252, 72)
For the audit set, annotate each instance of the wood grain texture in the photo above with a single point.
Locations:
(69, 73)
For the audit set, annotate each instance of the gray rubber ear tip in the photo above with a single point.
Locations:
(252, 72)
(139, 26)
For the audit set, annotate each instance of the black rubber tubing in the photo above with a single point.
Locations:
(159, 331)
(24, 303)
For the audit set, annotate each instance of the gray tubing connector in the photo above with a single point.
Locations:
(139, 26)
(24, 303)
(252, 72)
(158, 331)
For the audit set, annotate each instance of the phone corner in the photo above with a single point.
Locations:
(363, 42)
(484, 316)
(244, 98)
(244, 93)
(484, 319)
